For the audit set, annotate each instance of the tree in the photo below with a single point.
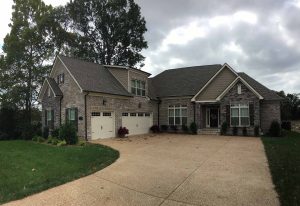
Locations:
(28, 48)
(290, 106)
(107, 31)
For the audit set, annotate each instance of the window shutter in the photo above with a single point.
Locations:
(52, 118)
(63, 78)
(46, 118)
(251, 113)
(76, 119)
(228, 114)
(67, 115)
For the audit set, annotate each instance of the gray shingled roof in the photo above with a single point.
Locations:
(55, 87)
(188, 81)
(261, 89)
(94, 77)
(182, 81)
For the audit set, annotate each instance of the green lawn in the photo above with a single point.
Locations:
(283, 154)
(27, 167)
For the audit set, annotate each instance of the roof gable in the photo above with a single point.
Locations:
(182, 81)
(52, 85)
(93, 77)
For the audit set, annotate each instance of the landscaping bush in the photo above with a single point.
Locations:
(68, 133)
(3, 136)
(154, 129)
(61, 143)
(224, 128)
(122, 131)
(256, 130)
(174, 128)
(193, 128)
(287, 125)
(275, 129)
(185, 128)
(164, 128)
(37, 138)
(46, 132)
(234, 131)
(245, 133)
(55, 133)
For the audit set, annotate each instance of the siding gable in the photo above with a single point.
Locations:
(217, 85)
(121, 75)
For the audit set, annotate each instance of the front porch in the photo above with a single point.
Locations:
(210, 119)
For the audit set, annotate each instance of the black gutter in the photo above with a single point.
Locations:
(60, 109)
(158, 103)
(85, 115)
(194, 103)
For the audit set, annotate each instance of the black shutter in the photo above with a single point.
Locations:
(63, 77)
(46, 123)
(52, 118)
(228, 114)
(67, 116)
(251, 114)
(76, 119)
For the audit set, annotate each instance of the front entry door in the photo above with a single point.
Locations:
(214, 117)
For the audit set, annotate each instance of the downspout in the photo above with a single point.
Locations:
(194, 103)
(60, 102)
(158, 103)
(85, 115)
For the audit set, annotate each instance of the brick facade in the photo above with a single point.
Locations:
(270, 110)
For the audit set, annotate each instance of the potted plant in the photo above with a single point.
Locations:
(122, 132)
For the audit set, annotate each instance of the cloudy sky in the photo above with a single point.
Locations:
(259, 37)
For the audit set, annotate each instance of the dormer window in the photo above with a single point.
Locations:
(138, 87)
(239, 89)
(60, 78)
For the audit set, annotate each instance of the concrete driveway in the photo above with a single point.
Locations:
(173, 170)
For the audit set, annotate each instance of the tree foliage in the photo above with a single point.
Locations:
(290, 106)
(107, 31)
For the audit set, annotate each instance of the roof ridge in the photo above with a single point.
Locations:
(189, 67)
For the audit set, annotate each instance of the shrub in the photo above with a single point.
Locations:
(154, 129)
(174, 128)
(224, 128)
(234, 131)
(245, 133)
(37, 138)
(61, 143)
(193, 128)
(3, 136)
(287, 125)
(54, 141)
(256, 130)
(27, 132)
(68, 133)
(46, 132)
(185, 128)
(55, 133)
(164, 128)
(275, 130)
(122, 131)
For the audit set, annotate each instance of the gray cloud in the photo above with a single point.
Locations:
(257, 37)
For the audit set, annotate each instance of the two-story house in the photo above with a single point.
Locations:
(98, 99)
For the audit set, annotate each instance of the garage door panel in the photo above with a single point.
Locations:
(137, 124)
(102, 125)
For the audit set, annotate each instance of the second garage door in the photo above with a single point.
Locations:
(137, 123)
(102, 125)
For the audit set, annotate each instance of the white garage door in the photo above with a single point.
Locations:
(102, 125)
(137, 123)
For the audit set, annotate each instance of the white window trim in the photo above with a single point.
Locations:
(49, 115)
(239, 89)
(239, 115)
(49, 92)
(135, 86)
(180, 114)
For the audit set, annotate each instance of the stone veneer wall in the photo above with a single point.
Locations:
(53, 104)
(270, 110)
(118, 105)
(247, 96)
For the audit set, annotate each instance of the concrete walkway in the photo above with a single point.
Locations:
(173, 170)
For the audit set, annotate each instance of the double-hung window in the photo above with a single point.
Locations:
(177, 115)
(60, 78)
(71, 116)
(239, 115)
(138, 87)
(49, 116)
